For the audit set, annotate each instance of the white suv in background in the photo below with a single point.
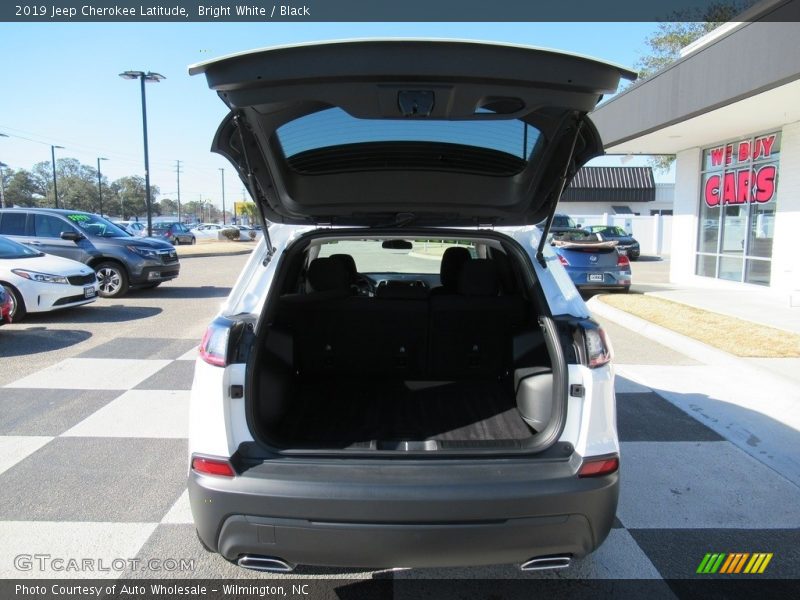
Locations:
(404, 375)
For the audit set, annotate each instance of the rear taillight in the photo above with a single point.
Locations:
(214, 347)
(563, 261)
(623, 261)
(595, 467)
(598, 347)
(213, 466)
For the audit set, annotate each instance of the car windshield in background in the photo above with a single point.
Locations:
(609, 231)
(574, 235)
(11, 249)
(96, 226)
(334, 127)
(372, 257)
(161, 226)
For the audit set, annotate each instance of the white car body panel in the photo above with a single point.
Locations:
(39, 296)
(217, 428)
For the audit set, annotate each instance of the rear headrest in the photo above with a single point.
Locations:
(349, 263)
(327, 274)
(479, 278)
(450, 269)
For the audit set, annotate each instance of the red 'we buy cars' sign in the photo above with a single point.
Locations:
(752, 183)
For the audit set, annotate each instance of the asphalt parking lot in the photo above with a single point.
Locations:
(93, 449)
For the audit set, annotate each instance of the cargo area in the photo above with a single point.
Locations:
(414, 361)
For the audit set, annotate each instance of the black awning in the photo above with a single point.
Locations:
(612, 184)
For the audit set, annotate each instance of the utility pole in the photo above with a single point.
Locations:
(100, 184)
(222, 172)
(55, 185)
(178, 171)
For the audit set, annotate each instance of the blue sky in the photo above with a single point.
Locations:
(60, 86)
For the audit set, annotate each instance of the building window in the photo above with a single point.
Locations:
(738, 199)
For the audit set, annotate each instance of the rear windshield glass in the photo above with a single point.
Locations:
(334, 127)
(371, 257)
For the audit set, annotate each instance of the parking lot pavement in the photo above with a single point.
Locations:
(93, 464)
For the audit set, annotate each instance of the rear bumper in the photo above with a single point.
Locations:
(419, 515)
(612, 278)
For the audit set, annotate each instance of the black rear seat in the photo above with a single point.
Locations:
(402, 335)
(471, 332)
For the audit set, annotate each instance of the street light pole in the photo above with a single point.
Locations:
(2, 183)
(178, 170)
(222, 172)
(55, 185)
(100, 184)
(143, 77)
(2, 186)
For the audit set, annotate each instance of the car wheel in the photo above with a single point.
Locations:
(112, 279)
(18, 310)
(626, 289)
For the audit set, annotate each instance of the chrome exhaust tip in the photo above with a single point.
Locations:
(264, 563)
(543, 563)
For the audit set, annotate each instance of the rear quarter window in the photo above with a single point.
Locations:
(12, 223)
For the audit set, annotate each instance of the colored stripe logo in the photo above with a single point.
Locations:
(734, 563)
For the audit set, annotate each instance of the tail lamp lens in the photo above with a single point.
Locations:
(563, 261)
(598, 347)
(214, 347)
(623, 261)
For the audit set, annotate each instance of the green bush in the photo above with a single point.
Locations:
(231, 234)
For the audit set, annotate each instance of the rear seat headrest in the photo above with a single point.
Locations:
(327, 274)
(349, 263)
(450, 269)
(479, 278)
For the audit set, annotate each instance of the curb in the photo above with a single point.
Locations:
(208, 254)
(725, 418)
(687, 346)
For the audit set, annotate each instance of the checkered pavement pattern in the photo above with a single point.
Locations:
(93, 454)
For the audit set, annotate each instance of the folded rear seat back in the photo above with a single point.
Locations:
(471, 332)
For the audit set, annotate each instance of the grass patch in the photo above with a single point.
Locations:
(736, 336)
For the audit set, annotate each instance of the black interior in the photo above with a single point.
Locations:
(341, 370)
(347, 413)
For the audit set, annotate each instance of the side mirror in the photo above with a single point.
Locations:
(72, 236)
(578, 226)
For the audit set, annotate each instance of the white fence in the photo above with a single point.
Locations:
(654, 232)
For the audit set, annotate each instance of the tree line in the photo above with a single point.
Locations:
(78, 189)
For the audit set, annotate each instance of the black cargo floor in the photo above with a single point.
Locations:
(338, 413)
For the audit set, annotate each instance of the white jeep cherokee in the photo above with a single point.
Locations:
(404, 375)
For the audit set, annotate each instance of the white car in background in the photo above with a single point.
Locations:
(133, 227)
(209, 231)
(38, 282)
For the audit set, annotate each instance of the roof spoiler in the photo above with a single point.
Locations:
(562, 183)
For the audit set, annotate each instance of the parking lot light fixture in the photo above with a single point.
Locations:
(55, 184)
(143, 78)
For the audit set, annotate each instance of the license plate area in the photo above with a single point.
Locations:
(89, 291)
(596, 277)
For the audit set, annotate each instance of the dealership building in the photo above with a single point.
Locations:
(729, 109)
